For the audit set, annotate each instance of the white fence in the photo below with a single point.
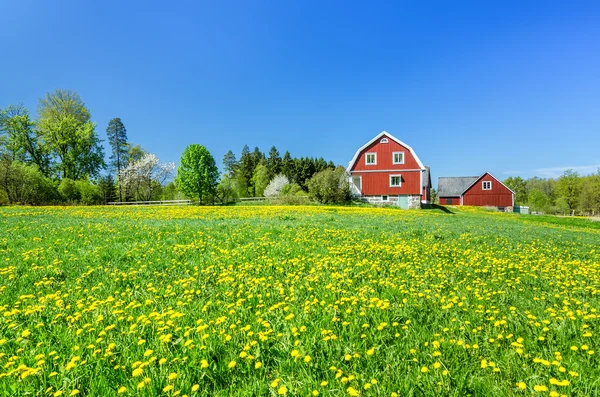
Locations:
(160, 202)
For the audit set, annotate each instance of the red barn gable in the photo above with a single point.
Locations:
(387, 171)
(485, 190)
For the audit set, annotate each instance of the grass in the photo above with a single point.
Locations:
(266, 300)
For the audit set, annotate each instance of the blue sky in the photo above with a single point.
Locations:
(511, 87)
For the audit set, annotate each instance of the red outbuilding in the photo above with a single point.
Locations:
(484, 191)
(387, 171)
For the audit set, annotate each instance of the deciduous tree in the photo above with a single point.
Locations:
(70, 137)
(197, 175)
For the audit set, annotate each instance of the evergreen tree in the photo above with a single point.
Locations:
(246, 171)
(274, 162)
(229, 163)
(106, 184)
(287, 166)
(117, 139)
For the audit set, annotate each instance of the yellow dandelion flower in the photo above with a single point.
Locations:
(137, 372)
(231, 364)
(282, 390)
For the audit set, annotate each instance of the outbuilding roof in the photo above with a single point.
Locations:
(426, 177)
(454, 186)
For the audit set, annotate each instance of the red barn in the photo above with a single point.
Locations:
(484, 191)
(388, 171)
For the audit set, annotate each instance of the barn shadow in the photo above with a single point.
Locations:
(436, 207)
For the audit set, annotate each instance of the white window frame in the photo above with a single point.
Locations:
(399, 176)
(367, 158)
(384, 140)
(394, 157)
(483, 184)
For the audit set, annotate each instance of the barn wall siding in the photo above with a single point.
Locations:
(384, 157)
(498, 196)
(377, 183)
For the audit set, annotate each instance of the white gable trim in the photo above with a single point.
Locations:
(388, 135)
(478, 179)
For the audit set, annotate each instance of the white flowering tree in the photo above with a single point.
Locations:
(274, 187)
(146, 176)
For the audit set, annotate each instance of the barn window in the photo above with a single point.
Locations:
(371, 159)
(398, 157)
(384, 198)
(487, 185)
(383, 140)
(395, 180)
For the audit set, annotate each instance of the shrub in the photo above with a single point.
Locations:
(25, 184)
(292, 189)
(329, 186)
(69, 190)
(90, 194)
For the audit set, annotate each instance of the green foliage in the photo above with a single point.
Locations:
(568, 187)
(89, 192)
(19, 140)
(197, 174)
(69, 190)
(229, 163)
(25, 184)
(519, 186)
(108, 188)
(260, 180)
(292, 189)
(226, 190)
(274, 162)
(538, 200)
(69, 135)
(329, 186)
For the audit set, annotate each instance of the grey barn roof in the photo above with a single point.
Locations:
(426, 177)
(454, 186)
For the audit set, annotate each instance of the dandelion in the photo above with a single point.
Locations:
(424, 369)
(522, 385)
(231, 364)
(137, 372)
(122, 390)
(352, 391)
(172, 376)
(282, 390)
(195, 388)
(257, 365)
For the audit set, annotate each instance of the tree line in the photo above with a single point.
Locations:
(570, 193)
(58, 158)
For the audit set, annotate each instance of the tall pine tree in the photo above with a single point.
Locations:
(117, 138)
(273, 162)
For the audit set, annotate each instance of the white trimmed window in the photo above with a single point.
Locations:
(383, 140)
(486, 185)
(371, 159)
(398, 157)
(395, 180)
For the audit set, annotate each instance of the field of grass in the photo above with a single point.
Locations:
(326, 301)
